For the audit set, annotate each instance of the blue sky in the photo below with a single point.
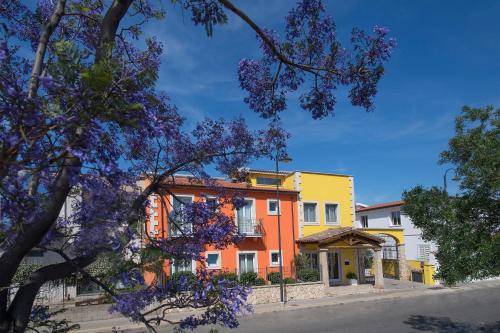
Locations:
(448, 55)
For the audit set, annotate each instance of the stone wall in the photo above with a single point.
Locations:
(271, 293)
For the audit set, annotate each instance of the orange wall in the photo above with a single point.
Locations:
(261, 245)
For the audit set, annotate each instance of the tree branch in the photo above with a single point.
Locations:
(42, 47)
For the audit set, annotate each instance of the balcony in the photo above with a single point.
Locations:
(250, 227)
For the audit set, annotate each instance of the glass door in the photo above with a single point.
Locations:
(246, 218)
(334, 270)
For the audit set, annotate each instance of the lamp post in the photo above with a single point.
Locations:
(284, 159)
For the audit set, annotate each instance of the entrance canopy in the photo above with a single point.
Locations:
(342, 236)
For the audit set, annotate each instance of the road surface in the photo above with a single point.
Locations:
(470, 311)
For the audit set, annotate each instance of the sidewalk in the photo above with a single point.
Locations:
(124, 325)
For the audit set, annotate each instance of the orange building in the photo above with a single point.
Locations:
(257, 220)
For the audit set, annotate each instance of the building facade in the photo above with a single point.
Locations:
(406, 255)
(257, 221)
(326, 214)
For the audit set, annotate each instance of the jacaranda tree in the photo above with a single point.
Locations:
(80, 116)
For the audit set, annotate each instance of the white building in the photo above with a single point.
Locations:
(388, 218)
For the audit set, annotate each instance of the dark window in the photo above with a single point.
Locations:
(364, 221)
(268, 181)
(396, 218)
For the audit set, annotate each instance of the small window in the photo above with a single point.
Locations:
(272, 207)
(268, 181)
(424, 252)
(275, 258)
(331, 213)
(396, 218)
(310, 213)
(211, 203)
(213, 260)
(364, 221)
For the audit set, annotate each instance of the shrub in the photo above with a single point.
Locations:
(308, 275)
(231, 277)
(351, 276)
(248, 278)
(289, 280)
(274, 277)
(260, 281)
(177, 280)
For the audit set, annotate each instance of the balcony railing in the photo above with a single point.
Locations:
(250, 227)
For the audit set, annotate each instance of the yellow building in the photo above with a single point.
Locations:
(326, 215)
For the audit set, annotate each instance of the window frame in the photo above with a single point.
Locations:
(219, 259)
(192, 196)
(254, 211)
(280, 182)
(428, 252)
(312, 252)
(317, 221)
(271, 252)
(278, 202)
(361, 221)
(392, 218)
(174, 270)
(255, 260)
(337, 212)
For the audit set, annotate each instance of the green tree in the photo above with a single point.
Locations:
(465, 226)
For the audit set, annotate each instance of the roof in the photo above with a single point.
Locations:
(331, 235)
(192, 182)
(285, 173)
(381, 206)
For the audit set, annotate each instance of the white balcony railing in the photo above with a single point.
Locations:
(249, 227)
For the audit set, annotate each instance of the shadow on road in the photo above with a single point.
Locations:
(446, 325)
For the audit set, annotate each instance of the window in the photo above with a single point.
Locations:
(272, 207)
(178, 215)
(364, 221)
(423, 252)
(211, 202)
(182, 265)
(246, 262)
(331, 213)
(246, 218)
(396, 218)
(312, 259)
(268, 181)
(310, 213)
(213, 260)
(274, 258)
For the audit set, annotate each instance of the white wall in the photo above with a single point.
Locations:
(381, 219)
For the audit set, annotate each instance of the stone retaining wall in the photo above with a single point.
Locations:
(271, 293)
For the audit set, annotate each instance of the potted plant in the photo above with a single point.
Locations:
(353, 278)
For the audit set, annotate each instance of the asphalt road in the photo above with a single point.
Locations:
(462, 311)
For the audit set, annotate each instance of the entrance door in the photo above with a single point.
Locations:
(334, 269)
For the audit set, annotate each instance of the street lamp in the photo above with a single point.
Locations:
(284, 159)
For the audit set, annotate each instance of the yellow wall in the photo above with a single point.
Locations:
(429, 270)
(253, 179)
(396, 233)
(322, 189)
